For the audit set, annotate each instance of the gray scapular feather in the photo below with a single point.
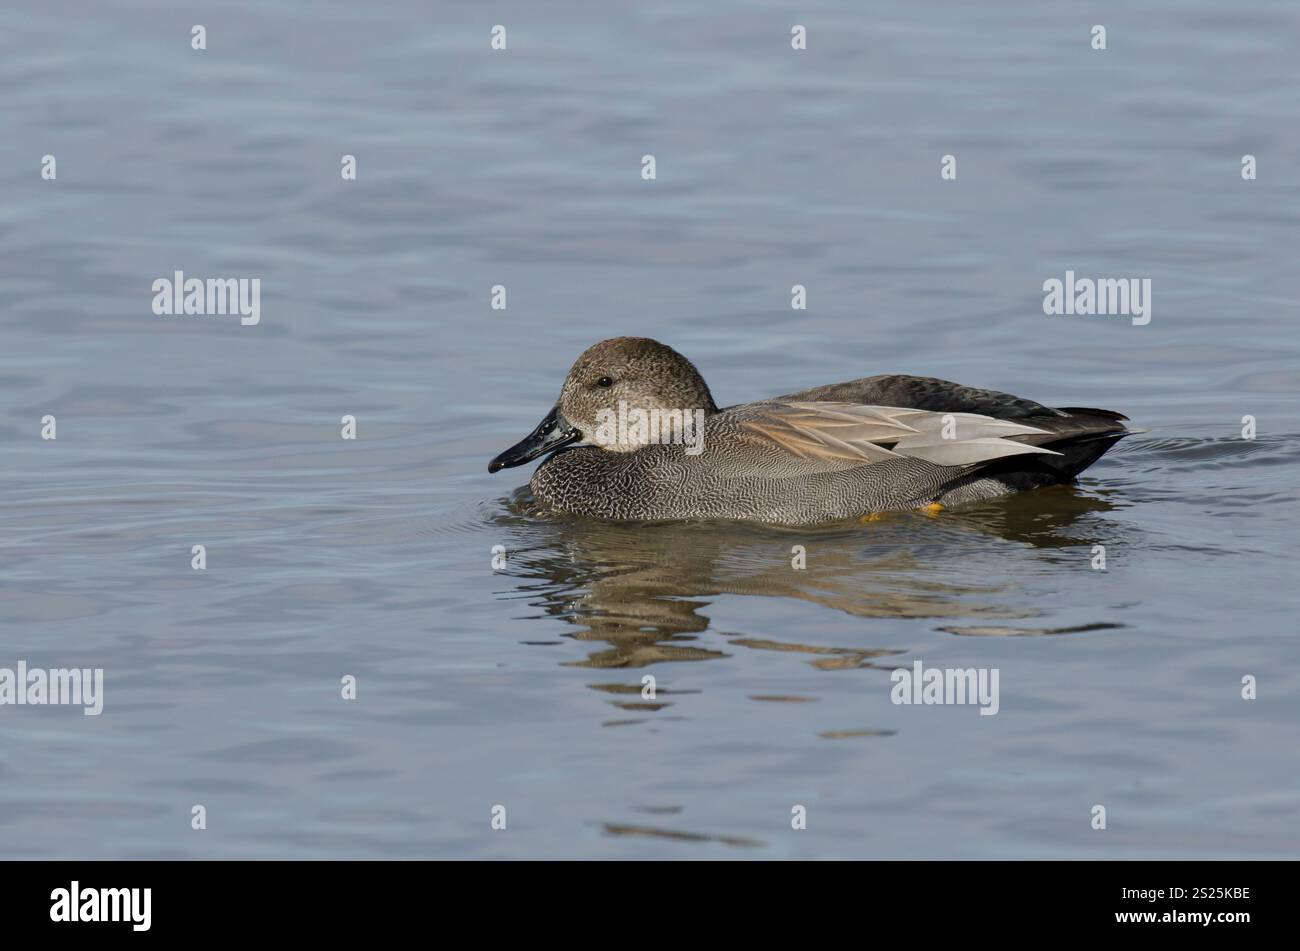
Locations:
(852, 432)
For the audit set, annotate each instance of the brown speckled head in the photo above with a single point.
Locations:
(614, 377)
(638, 373)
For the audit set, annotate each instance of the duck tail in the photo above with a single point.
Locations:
(1081, 437)
(1085, 411)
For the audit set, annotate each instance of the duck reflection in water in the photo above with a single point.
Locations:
(642, 589)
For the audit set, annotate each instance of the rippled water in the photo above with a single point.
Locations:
(521, 687)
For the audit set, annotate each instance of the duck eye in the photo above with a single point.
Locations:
(604, 381)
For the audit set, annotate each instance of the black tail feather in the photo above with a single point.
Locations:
(1083, 411)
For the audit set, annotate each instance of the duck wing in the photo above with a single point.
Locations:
(926, 392)
(843, 435)
(1063, 427)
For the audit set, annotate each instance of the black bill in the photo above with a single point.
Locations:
(551, 433)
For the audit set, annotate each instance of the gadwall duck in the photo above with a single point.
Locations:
(636, 435)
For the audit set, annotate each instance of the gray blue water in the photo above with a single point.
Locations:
(521, 687)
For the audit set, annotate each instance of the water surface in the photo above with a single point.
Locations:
(522, 687)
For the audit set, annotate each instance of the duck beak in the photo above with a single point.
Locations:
(551, 433)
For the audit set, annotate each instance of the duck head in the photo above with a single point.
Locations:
(613, 377)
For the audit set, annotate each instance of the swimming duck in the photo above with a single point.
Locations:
(636, 435)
